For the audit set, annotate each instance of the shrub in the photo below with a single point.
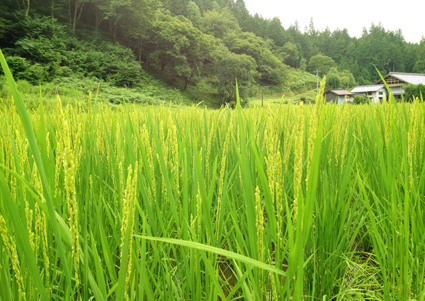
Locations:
(361, 100)
(414, 91)
(44, 50)
(24, 69)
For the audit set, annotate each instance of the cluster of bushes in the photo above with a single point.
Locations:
(44, 50)
(414, 91)
(72, 89)
(361, 100)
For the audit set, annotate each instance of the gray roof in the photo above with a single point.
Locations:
(410, 78)
(368, 88)
(339, 92)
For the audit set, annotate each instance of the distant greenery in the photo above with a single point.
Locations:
(196, 46)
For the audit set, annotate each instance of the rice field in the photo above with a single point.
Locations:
(318, 202)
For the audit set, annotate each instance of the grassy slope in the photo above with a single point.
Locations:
(75, 90)
(154, 92)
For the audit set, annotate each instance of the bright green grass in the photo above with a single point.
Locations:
(277, 99)
(73, 90)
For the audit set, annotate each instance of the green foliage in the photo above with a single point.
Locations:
(178, 42)
(74, 90)
(322, 63)
(419, 65)
(169, 45)
(361, 100)
(271, 70)
(193, 13)
(336, 79)
(380, 49)
(228, 66)
(300, 82)
(291, 55)
(48, 51)
(414, 91)
(139, 173)
(303, 64)
(275, 31)
(347, 79)
(24, 69)
(348, 224)
(218, 23)
(110, 62)
(178, 50)
(333, 81)
(182, 50)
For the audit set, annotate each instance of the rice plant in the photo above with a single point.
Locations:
(296, 202)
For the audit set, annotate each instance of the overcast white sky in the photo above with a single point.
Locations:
(407, 15)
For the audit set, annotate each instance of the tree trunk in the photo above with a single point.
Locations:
(78, 10)
(98, 17)
(27, 7)
(70, 12)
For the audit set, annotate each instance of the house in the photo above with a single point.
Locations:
(375, 93)
(338, 96)
(397, 81)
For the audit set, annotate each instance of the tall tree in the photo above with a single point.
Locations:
(227, 67)
(322, 63)
(420, 58)
(193, 13)
(218, 23)
(270, 69)
(76, 8)
(180, 49)
(276, 32)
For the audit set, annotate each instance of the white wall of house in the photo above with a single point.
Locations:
(375, 96)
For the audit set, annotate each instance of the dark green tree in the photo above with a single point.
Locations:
(193, 13)
(419, 65)
(333, 81)
(271, 70)
(218, 23)
(414, 91)
(322, 63)
(226, 67)
(276, 32)
(290, 54)
(180, 49)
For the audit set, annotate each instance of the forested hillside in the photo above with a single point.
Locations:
(198, 47)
